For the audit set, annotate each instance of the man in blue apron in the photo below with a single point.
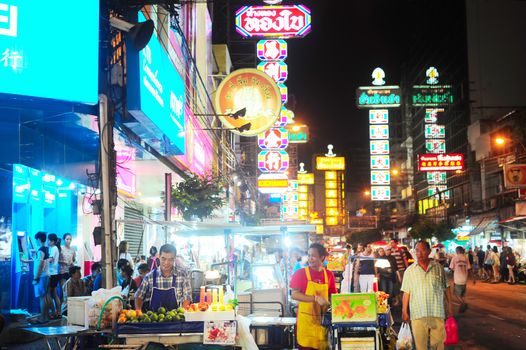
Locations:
(167, 285)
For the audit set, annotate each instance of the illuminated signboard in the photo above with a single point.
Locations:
(380, 162)
(434, 131)
(437, 95)
(331, 220)
(156, 97)
(278, 71)
(298, 133)
(379, 147)
(251, 89)
(379, 116)
(515, 175)
(436, 146)
(126, 179)
(380, 193)
(285, 117)
(273, 183)
(379, 132)
(284, 91)
(378, 96)
(380, 177)
(273, 161)
(330, 163)
(436, 177)
(306, 179)
(444, 192)
(44, 52)
(431, 115)
(286, 21)
(275, 138)
(272, 50)
(440, 162)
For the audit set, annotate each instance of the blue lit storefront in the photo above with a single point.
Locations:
(48, 131)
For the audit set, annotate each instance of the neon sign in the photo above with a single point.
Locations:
(273, 139)
(273, 161)
(378, 132)
(380, 162)
(440, 162)
(431, 115)
(438, 95)
(278, 71)
(379, 147)
(436, 146)
(435, 131)
(272, 50)
(286, 21)
(380, 177)
(285, 117)
(378, 96)
(330, 163)
(380, 193)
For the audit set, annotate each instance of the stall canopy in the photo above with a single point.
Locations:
(482, 225)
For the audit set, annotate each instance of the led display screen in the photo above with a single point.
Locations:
(50, 49)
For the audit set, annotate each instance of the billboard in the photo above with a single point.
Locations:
(284, 21)
(46, 53)
(330, 163)
(378, 96)
(436, 146)
(515, 175)
(434, 131)
(441, 162)
(298, 133)
(380, 177)
(378, 116)
(380, 162)
(273, 161)
(251, 89)
(379, 147)
(380, 193)
(431, 96)
(274, 138)
(379, 132)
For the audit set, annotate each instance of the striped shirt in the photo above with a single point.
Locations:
(426, 290)
(398, 254)
(183, 289)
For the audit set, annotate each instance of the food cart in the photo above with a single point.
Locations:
(360, 320)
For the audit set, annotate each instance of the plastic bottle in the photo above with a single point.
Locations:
(229, 295)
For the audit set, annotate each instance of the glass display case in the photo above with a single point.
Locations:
(267, 276)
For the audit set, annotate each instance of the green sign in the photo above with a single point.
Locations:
(431, 96)
(378, 96)
(298, 133)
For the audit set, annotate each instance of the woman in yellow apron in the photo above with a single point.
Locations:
(312, 287)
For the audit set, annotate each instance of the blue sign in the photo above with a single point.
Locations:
(50, 49)
(157, 98)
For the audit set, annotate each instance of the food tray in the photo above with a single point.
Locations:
(160, 327)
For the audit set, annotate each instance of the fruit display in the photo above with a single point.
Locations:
(353, 308)
(381, 302)
(161, 315)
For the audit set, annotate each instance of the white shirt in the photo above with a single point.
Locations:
(54, 254)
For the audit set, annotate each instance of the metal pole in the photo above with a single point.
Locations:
(105, 147)
(167, 203)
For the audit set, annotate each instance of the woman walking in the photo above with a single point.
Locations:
(510, 264)
(66, 260)
(495, 257)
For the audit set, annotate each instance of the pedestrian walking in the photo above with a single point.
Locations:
(66, 260)
(488, 263)
(54, 275)
(460, 266)
(495, 258)
(401, 264)
(367, 271)
(425, 288)
(510, 264)
(388, 275)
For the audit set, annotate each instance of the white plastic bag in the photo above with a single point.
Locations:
(405, 338)
(97, 301)
(245, 338)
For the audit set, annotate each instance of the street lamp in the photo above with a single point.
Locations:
(501, 141)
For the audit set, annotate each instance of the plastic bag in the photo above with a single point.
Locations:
(405, 338)
(245, 338)
(451, 331)
(97, 301)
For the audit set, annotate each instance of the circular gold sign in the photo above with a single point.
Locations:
(251, 89)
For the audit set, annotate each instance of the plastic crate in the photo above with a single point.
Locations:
(77, 314)
(160, 327)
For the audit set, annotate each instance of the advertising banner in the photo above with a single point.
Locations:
(286, 21)
(440, 162)
(515, 175)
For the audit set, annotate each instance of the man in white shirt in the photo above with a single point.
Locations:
(460, 266)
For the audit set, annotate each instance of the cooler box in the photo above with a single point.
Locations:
(77, 311)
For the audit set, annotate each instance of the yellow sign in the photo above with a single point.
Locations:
(316, 221)
(329, 202)
(331, 185)
(306, 179)
(331, 194)
(303, 189)
(254, 91)
(303, 196)
(319, 229)
(273, 183)
(330, 175)
(330, 163)
(332, 212)
(331, 220)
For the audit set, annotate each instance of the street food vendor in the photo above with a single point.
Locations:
(167, 285)
(312, 287)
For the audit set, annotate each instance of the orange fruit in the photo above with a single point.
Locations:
(131, 313)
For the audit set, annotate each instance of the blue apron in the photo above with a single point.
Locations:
(165, 297)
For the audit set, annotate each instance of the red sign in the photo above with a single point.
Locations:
(440, 162)
(284, 21)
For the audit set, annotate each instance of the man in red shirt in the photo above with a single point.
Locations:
(312, 287)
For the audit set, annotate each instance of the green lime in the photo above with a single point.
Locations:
(168, 318)
(154, 317)
(180, 310)
(161, 317)
(161, 310)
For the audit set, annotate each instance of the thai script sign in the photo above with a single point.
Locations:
(425, 95)
(378, 96)
(287, 21)
(440, 162)
(330, 163)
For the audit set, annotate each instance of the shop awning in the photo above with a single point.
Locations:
(482, 225)
(513, 219)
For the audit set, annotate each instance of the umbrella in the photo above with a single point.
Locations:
(438, 245)
(380, 243)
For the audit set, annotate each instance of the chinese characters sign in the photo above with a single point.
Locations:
(273, 138)
(272, 50)
(378, 116)
(273, 161)
(440, 162)
(285, 21)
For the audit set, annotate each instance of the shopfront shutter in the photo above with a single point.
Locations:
(133, 229)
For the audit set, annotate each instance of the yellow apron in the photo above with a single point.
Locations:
(310, 332)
